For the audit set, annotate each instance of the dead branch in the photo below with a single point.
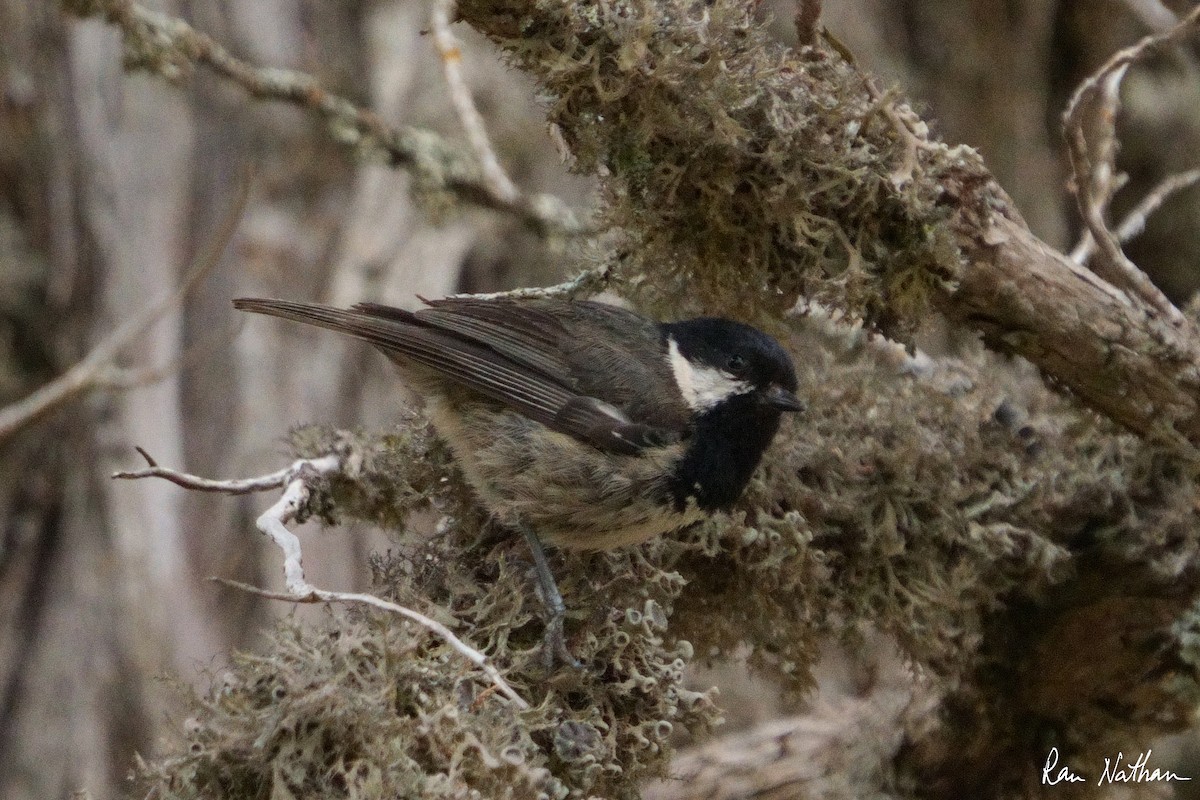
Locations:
(295, 481)
(1135, 221)
(1097, 101)
(494, 176)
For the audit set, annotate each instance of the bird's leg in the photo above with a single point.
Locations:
(556, 643)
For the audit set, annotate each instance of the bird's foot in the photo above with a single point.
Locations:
(554, 641)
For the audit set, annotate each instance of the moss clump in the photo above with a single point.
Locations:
(367, 707)
(976, 543)
(372, 706)
(743, 175)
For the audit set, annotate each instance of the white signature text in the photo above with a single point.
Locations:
(1116, 770)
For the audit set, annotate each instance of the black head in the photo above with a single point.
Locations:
(716, 359)
(738, 382)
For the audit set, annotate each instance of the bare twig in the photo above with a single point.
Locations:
(1092, 164)
(262, 483)
(589, 282)
(494, 177)
(1135, 221)
(273, 522)
(97, 369)
(171, 48)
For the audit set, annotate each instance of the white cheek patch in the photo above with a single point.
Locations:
(702, 387)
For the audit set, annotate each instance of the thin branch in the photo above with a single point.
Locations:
(97, 369)
(589, 282)
(1135, 221)
(273, 522)
(169, 47)
(262, 483)
(1092, 164)
(314, 595)
(448, 47)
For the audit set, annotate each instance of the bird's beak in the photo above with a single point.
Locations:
(778, 397)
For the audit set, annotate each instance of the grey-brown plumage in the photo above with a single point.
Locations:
(580, 419)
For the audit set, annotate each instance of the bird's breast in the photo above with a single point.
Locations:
(573, 495)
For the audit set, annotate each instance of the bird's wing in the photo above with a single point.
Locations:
(524, 332)
(511, 358)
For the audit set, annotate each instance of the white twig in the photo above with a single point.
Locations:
(448, 47)
(589, 282)
(262, 483)
(1135, 221)
(1092, 165)
(273, 522)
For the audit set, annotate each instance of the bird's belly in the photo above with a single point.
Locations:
(571, 494)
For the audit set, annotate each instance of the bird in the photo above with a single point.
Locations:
(581, 423)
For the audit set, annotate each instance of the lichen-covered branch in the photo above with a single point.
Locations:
(388, 714)
(745, 176)
(736, 167)
(171, 48)
(294, 481)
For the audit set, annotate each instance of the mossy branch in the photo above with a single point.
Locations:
(737, 166)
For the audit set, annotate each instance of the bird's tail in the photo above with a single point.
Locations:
(360, 322)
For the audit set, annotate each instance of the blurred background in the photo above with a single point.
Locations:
(111, 183)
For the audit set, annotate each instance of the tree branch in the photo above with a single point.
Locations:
(1097, 101)
(789, 145)
(495, 179)
(273, 522)
(171, 48)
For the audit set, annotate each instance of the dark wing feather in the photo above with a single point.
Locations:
(598, 423)
(524, 332)
(458, 359)
(508, 352)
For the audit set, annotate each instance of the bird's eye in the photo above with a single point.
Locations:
(736, 363)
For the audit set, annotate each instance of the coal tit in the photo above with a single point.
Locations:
(584, 424)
